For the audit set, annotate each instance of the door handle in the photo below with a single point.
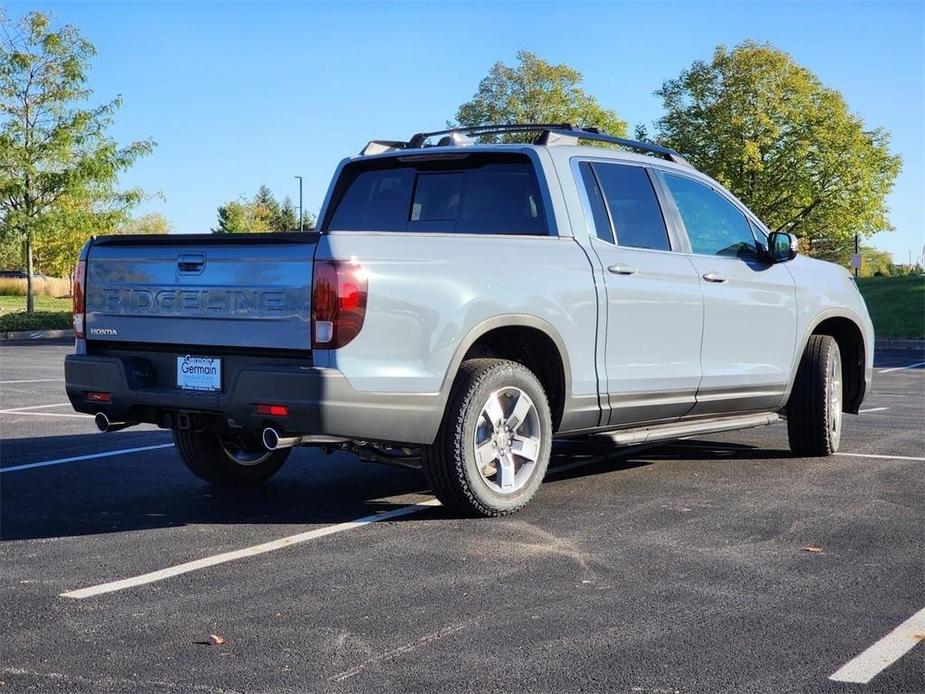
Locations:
(620, 269)
(191, 263)
(714, 277)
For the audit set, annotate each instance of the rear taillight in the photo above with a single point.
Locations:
(339, 291)
(80, 300)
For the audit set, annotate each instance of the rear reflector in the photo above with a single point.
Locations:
(273, 410)
(99, 397)
(339, 293)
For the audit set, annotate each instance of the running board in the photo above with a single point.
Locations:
(680, 430)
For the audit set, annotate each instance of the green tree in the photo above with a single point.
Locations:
(55, 153)
(266, 206)
(261, 213)
(535, 91)
(783, 142)
(287, 219)
(151, 223)
(875, 263)
(70, 223)
(240, 216)
(12, 255)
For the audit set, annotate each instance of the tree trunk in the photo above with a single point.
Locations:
(30, 294)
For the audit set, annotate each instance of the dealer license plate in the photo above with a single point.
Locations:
(199, 373)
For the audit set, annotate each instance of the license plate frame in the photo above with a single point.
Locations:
(199, 373)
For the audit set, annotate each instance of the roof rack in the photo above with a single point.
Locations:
(548, 134)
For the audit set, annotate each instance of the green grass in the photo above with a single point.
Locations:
(50, 314)
(896, 305)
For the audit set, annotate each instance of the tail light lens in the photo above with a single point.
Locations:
(79, 296)
(339, 291)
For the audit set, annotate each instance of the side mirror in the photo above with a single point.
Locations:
(782, 246)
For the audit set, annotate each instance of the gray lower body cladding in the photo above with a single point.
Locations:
(319, 400)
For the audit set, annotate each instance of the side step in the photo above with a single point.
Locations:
(679, 430)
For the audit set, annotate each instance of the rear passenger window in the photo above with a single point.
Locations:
(714, 225)
(634, 209)
(477, 195)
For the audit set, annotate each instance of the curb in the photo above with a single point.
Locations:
(35, 335)
(913, 344)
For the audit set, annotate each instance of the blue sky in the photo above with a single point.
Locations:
(239, 94)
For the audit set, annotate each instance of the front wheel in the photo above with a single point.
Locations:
(814, 411)
(493, 448)
(227, 460)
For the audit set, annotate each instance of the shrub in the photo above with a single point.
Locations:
(40, 320)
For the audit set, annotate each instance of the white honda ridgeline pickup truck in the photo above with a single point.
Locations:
(461, 304)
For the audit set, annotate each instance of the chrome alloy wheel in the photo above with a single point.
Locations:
(244, 451)
(835, 397)
(507, 440)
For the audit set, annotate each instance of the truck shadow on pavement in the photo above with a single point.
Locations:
(152, 489)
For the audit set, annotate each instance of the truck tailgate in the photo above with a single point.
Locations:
(229, 290)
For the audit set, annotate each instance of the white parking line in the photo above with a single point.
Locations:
(873, 409)
(884, 653)
(89, 456)
(206, 562)
(45, 414)
(851, 455)
(877, 455)
(34, 380)
(902, 368)
(36, 407)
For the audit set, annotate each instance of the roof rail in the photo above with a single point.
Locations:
(418, 139)
(548, 134)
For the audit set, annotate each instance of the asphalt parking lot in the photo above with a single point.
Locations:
(714, 565)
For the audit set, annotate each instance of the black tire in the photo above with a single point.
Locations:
(451, 466)
(814, 411)
(211, 459)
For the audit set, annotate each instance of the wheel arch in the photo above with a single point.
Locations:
(526, 339)
(846, 328)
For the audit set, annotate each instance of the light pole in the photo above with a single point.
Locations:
(857, 254)
(301, 216)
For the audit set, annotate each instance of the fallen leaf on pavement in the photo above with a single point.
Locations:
(214, 640)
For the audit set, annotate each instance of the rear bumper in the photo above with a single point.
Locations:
(319, 401)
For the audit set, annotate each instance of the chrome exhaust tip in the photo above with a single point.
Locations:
(102, 421)
(270, 438)
(274, 441)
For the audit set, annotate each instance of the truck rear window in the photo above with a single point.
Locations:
(474, 195)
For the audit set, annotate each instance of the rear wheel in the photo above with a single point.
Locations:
(814, 411)
(493, 447)
(228, 460)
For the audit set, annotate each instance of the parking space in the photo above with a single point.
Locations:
(719, 564)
